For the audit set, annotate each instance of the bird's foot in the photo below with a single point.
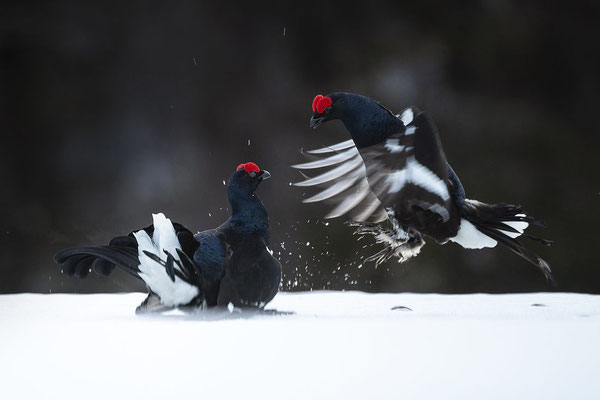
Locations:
(398, 242)
(382, 234)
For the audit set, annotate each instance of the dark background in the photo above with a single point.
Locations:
(112, 111)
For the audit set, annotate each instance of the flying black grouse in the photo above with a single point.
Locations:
(229, 264)
(394, 168)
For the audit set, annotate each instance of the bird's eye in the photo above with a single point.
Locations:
(252, 174)
(328, 110)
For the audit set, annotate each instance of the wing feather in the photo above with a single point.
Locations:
(334, 147)
(352, 200)
(371, 206)
(337, 187)
(345, 185)
(332, 160)
(333, 174)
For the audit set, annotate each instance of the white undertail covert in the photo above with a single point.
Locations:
(470, 237)
(171, 293)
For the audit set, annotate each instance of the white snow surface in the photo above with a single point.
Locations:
(336, 345)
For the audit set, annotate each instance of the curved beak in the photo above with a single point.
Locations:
(264, 174)
(316, 122)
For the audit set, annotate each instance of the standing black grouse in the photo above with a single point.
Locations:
(229, 264)
(394, 168)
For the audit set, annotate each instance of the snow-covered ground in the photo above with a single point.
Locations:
(336, 345)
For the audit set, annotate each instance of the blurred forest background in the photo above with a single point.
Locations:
(113, 110)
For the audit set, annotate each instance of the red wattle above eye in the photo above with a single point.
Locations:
(316, 101)
(323, 103)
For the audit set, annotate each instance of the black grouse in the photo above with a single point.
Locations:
(394, 168)
(229, 264)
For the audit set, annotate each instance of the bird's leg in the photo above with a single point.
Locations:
(399, 242)
(411, 248)
(404, 250)
(369, 228)
(391, 237)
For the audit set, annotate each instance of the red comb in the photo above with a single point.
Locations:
(320, 103)
(316, 101)
(248, 167)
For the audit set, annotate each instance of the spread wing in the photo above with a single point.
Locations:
(343, 183)
(407, 168)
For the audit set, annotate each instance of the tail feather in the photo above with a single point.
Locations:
(545, 242)
(158, 254)
(78, 260)
(520, 250)
(485, 225)
(77, 265)
(103, 267)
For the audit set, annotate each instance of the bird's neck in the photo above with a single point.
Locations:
(368, 122)
(248, 214)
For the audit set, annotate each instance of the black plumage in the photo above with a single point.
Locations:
(394, 168)
(228, 264)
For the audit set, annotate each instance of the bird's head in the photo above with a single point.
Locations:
(324, 109)
(342, 106)
(247, 177)
(365, 119)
